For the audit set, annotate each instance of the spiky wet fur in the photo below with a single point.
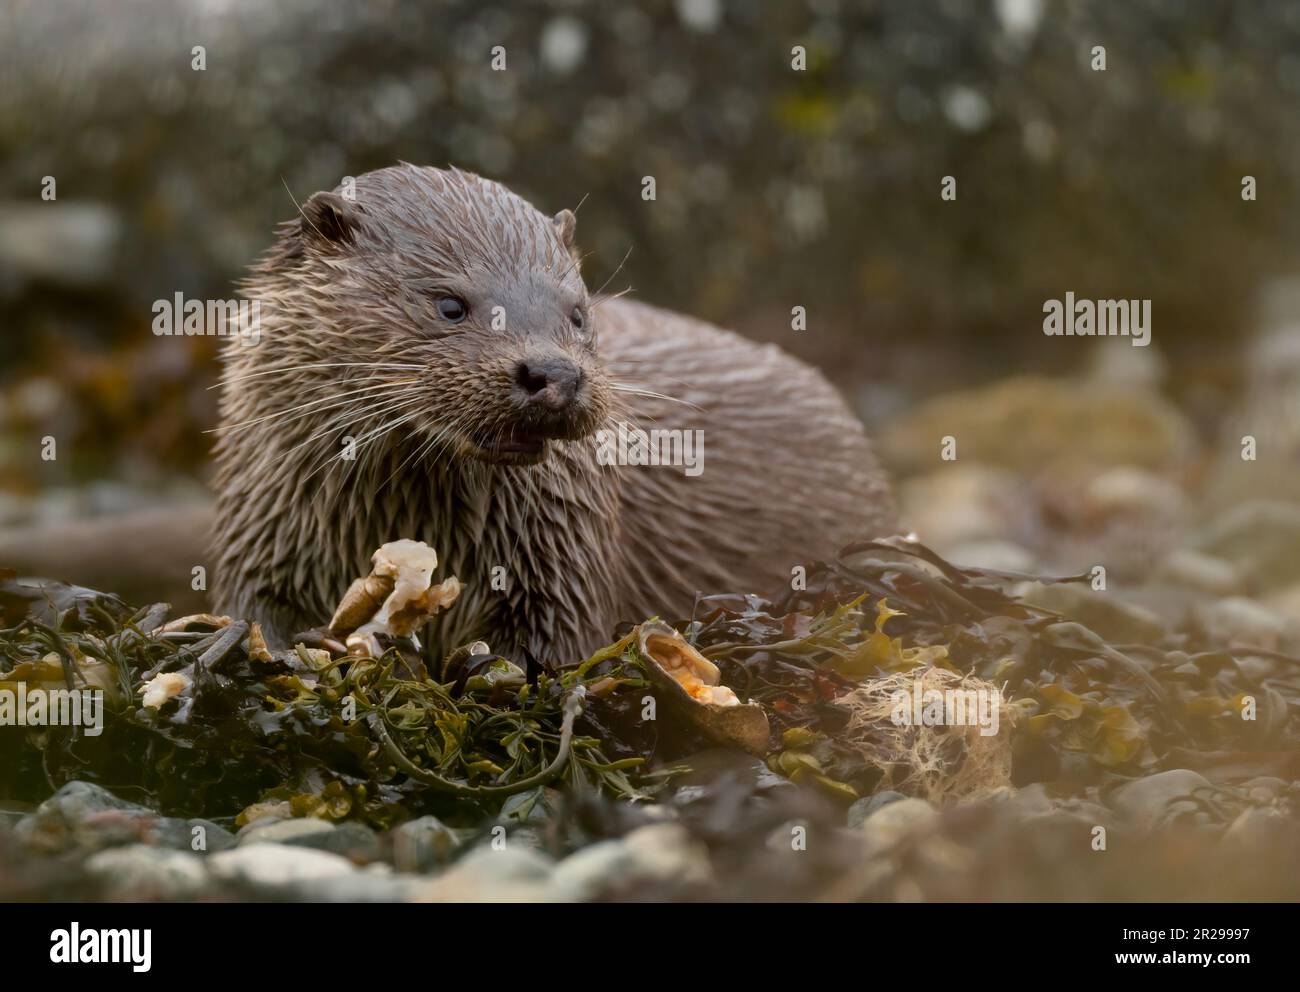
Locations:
(788, 473)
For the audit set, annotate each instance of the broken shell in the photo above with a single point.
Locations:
(405, 617)
(403, 566)
(193, 620)
(257, 649)
(395, 599)
(363, 645)
(360, 602)
(693, 685)
(454, 663)
(163, 687)
(47, 672)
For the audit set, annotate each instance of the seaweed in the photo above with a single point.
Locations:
(346, 737)
(336, 737)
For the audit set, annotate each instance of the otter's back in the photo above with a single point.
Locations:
(787, 474)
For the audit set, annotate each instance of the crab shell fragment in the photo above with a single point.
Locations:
(395, 599)
(694, 689)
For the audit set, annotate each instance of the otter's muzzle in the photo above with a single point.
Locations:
(547, 390)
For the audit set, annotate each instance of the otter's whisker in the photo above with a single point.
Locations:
(417, 453)
(602, 300)
(626, 256)
(372, 435)
(322, 365)
(417, 396)
(297, 206)
(627, 363)
(619, 387)
(332, 402)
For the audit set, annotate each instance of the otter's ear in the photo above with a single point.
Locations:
(566, 222)
(329, 219)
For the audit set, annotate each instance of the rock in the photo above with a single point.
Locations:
(658, 812)
(1238, 620)
(137, 873)
(1028, 423)
(1256, 829)
(1000, 555)
(1286, 603)
(1107, 614)
(11, 811)
(375, 883)
(273, 809)
(1125, 490)
(535, 806)
(79, 800)
(486, 874)
(1032, 805)
(1261, 538)
(1076, 813)
(662, 854)
(708, 767)
(214, 837)
(276, 869)
(1199, 572)
(354, 841)
(962, 504)
(1153, 802)
(532, 838)
(69, 243)
(894, 821)
(1265, 788)
(87, 817)
(791, 836)
(1137, 368)
(1030, 801)
(198, 835)
(424, 844)
(276, 831)
(863, 808)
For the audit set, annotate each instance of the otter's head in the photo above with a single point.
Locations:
(462, 296)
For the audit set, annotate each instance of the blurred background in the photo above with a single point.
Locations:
(776, 189)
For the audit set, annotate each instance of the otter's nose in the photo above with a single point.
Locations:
(549, 382)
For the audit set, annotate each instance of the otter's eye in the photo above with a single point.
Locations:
(453, 308)
(576, 317)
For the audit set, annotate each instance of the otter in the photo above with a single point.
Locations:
(432, 366)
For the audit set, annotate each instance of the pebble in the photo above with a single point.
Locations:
(487, 874)
(1153, 802)
(138, 872)
(864, 807)
(423, 844)
(660, 854)
(893, 822)
(272, 868)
